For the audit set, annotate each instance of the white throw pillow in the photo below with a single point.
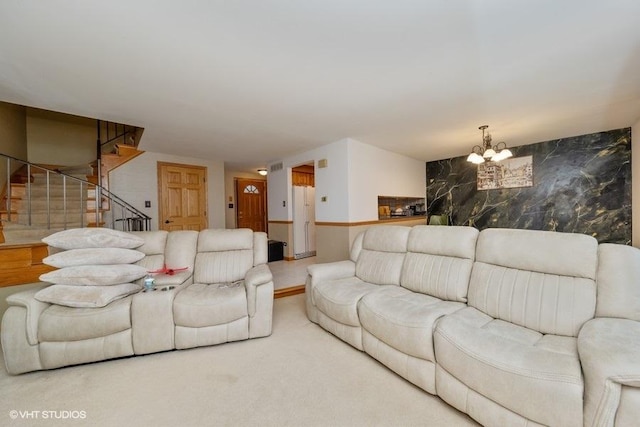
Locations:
(93, 256)
(95, 275)
(82, 238)
(85, 296)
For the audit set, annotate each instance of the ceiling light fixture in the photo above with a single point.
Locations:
(262, 172)
(481, 153)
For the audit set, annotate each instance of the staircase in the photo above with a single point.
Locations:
(39, 201)
(116, 144)
(64, 203)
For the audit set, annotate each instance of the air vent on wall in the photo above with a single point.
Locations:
(276, 167)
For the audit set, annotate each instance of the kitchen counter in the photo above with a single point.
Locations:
(402, 218)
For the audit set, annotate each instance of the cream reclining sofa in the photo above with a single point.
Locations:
(513, 327)
(225, 294)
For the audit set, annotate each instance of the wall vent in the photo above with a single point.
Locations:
(276, 167)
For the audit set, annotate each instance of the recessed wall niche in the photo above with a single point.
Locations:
(581, 184)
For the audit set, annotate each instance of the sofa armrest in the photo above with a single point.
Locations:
(258, 275)
(331, 271)
(321, 272)
(34, 308)
(176, 279)
(609, 352)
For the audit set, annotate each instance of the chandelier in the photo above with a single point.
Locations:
(486, 151)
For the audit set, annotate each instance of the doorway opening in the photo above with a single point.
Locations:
(182, 197)
(251, 199)
(304, 210)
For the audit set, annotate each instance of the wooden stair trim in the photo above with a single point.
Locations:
(22, 263)
(113, 161)
(288, 292)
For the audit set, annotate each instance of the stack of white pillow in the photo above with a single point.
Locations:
(96, 267)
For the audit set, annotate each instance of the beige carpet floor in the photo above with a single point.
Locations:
(299, 376)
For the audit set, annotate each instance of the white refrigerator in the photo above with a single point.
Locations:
(304, 222)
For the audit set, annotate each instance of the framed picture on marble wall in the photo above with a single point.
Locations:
(510, 173)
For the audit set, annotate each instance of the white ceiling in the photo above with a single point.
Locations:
(254, 81)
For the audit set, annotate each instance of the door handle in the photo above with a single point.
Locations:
(167, 222)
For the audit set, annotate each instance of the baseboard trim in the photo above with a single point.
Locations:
(288, 292)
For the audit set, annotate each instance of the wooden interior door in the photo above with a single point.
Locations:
(182, 197)
(251, 196)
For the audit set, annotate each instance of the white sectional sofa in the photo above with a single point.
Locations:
(513, 327)
(224, 293)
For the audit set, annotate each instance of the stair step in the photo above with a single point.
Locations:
(39, 203)
(127, 150)
(41, 217)
(77, 171)
(29, 234)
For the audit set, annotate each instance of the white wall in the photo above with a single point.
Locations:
(331, 182)
(60, 139)
(356, 175)
(635, 184)
(376, 172)
(137, 181)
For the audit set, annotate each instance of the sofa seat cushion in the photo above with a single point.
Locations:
(60, 323)
(201, 305)
(404, 319)
(505, 362)
(338, 299)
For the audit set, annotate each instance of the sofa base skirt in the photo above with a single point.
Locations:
(350, 334)
(57, 354)
(236, 330)
(478, 407)
(415, 370)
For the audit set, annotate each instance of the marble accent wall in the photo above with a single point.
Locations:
(581, 184)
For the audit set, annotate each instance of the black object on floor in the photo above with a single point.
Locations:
(276, 250)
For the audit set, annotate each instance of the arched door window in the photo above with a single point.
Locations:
(251, 189)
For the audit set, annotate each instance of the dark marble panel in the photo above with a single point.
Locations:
(581, 184)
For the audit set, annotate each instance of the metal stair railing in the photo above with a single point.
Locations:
(111, 133)
(124, 216)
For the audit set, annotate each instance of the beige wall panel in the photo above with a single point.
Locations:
(60, 139)
(332, 243)
(282, 233)
(13, 136)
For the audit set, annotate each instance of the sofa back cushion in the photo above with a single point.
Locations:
(382, 254)
(439, 261)
(541, 280)
(223, 255)
(180, 251)
(153, 247)
(356, 247)
(618, 281)
(260, 248)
